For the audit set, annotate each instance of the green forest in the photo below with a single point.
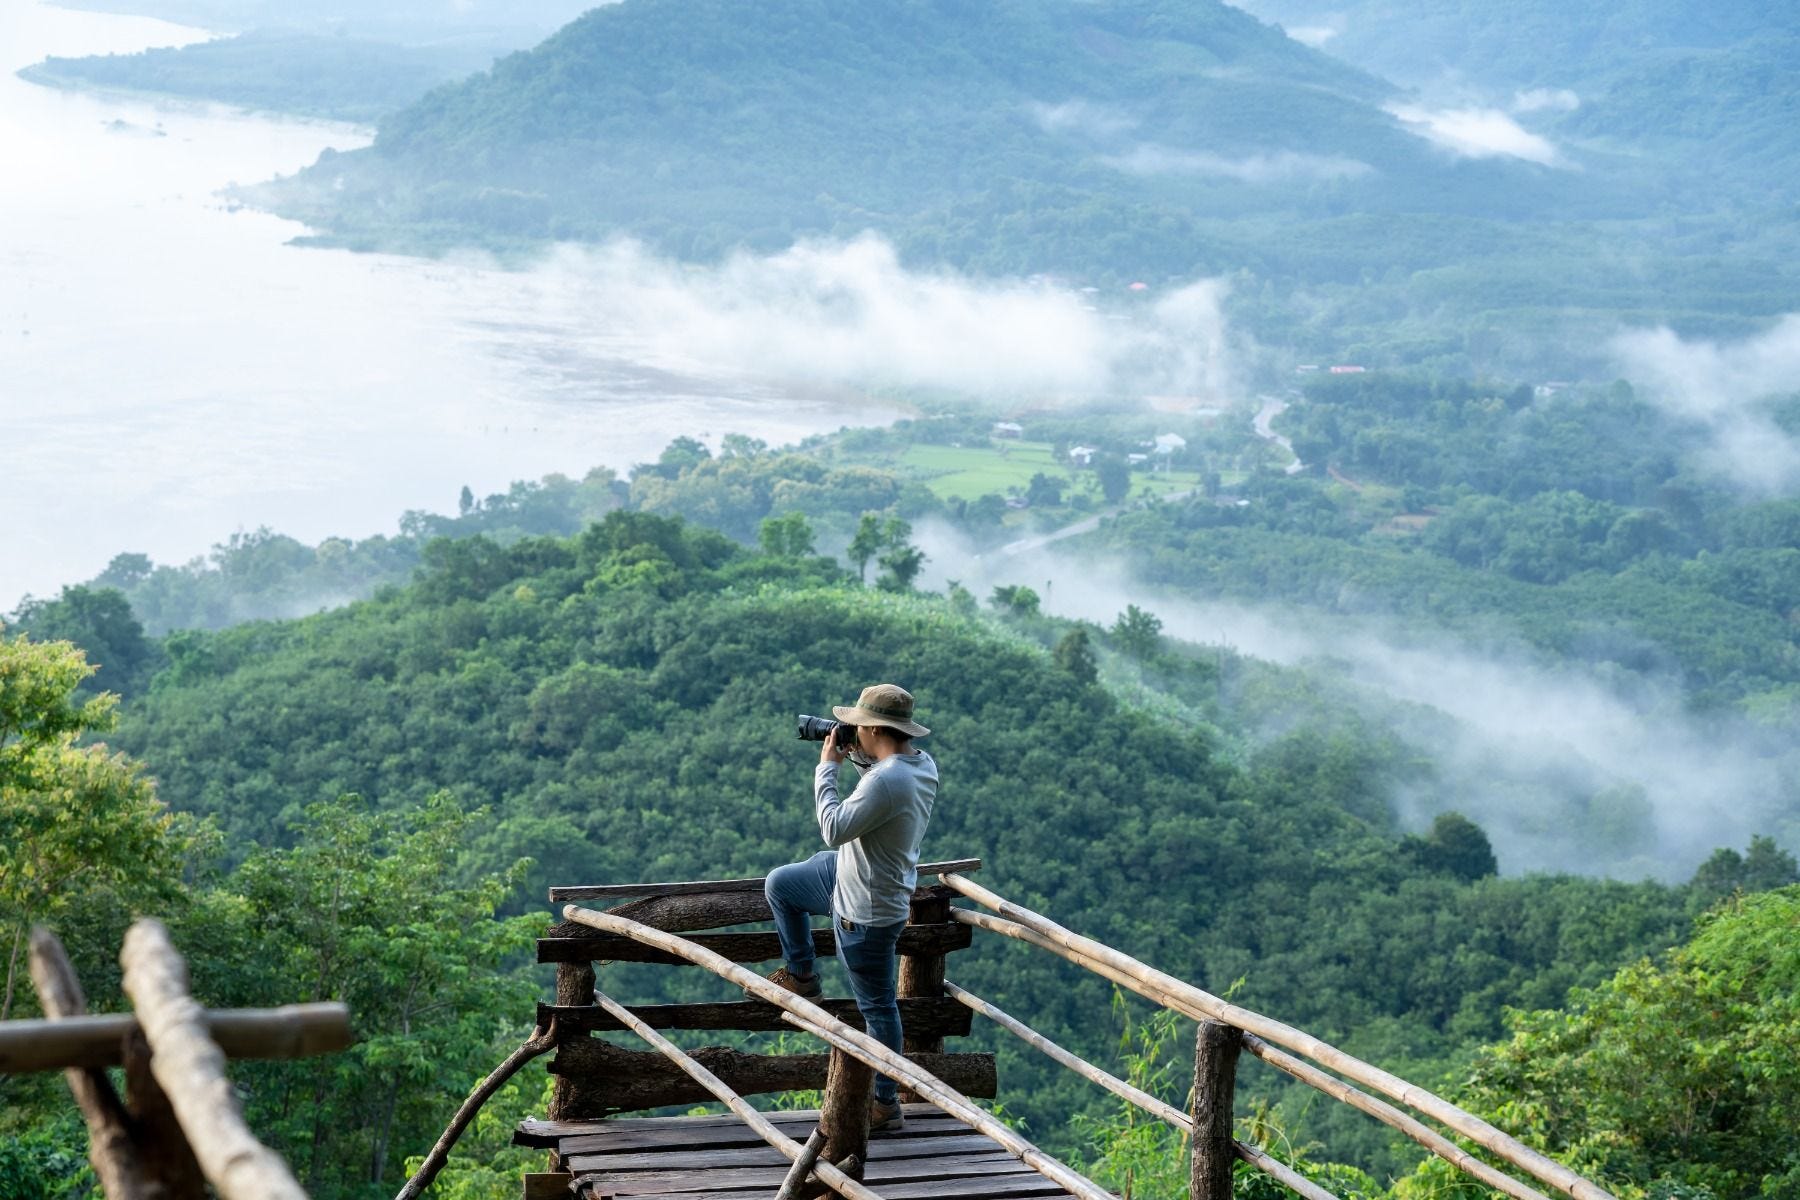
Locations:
(367, 803)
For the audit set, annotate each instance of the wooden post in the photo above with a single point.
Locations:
(574, 987)
(844, 1113)
(1215, 1078)
(167, 1156)
(922, 975)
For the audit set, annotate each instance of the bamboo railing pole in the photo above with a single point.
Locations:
(542, 1041)
(1382, 1111)
(190, 1068)
(1203, 1006)
(1080, 1066)
(1439, 1145)
(1254, 1155)
(111, 1150)
(854, 1042)
(759, 1124)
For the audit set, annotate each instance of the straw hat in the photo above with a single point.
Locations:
(884, 704)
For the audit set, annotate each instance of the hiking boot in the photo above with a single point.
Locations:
(885, 1118)
(806, 988)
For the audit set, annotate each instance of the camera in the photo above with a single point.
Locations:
(817, 729)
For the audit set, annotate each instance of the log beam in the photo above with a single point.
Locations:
(572, 943)
(560, 895)
(296, 1031)
(598, 1078)
(844, 1110)
(930, 1016)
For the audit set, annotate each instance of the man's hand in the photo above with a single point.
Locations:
(830, 751)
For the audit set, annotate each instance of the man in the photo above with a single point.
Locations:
(866, 880)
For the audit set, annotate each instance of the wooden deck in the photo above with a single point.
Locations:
(719, 1158)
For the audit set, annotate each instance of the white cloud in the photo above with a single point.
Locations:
(851, 313)
(1720, 385)
(1312, 35)
(1284, 166)
(1514, 741)
(1476, 133)
(1083, 117)
(1546, 100)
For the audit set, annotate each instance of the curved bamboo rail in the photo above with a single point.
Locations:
(789, 1149)
(1171, 992)
(1256, 1156)
(855, 1043)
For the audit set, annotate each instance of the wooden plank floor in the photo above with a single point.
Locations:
(719, 1158)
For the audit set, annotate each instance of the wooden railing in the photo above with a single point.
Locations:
(178, 1128)
(661, 923)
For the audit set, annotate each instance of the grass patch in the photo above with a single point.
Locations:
(1000, 467)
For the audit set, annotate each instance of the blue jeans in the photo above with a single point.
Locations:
(799, 891)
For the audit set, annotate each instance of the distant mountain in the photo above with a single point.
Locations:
(1106, 141)
(1096, 136)
(343, 78)
(1709, 87)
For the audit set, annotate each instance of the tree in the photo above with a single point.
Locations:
(1044, 491)
(900, 565)
(378, 910)
(866, 544)
(1669, 1080)
(1075, 654)
(74, 821)
(465, 503)
(1114, 474)
(101, 623)
(787, 536)
(1456, 846)
(1766, 866)
(900, 560)
(1138, 633)
(1016, 599)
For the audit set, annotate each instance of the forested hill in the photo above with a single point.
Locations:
(1019, 135)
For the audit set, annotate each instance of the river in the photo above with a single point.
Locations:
(172, 370)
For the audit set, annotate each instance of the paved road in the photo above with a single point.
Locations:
(1272, 407)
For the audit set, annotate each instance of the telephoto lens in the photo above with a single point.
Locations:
(813, 729)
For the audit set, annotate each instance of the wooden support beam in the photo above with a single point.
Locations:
(802, 1166)
(858, 1045)
(117, 1164)
(575, 943)
(542, 1040)
(931, 1016)
(296, 1031)
(596, 1078)
(190, 1068)
(846, 1184)
(844, 1110)
(1215, 1085)
(559, 895)
(1165, 989)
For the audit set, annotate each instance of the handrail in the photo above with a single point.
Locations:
(788, 1148)
(1173, 993)
(853, 1042)
(1256, 1156)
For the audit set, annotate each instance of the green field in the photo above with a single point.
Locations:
(969, 472)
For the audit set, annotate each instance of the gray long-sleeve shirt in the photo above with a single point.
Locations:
(877, 830)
